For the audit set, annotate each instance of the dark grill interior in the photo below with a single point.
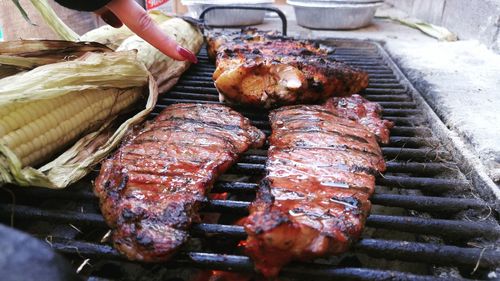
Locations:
(426, 223)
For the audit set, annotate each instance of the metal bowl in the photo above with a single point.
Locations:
(228, 17)
(334, 14)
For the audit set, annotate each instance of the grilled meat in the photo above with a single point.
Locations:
(364, 112)
(267, 70)
(315, 198)
(251, 38)
(151, 188)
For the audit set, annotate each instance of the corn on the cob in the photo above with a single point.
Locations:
(33, 127)
(54, 123)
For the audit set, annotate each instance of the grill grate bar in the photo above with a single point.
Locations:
(382, 81)
(413, 141)
(197, 83)
(386, 100)
(359, 59)
(191, 89)
(426, 184)
(397, 104)
(207, 66)
(362, 63)
(197, 77)
(423, 203)
(228, 206)
(410, 131)
(414, 154)
(401, 167)
(25, 212)
(389, 93)
(382, 76)
(68, 194)
(358, 274)
(203, 97)
(385, 249)
(389, 152)
(373, 73)
(376, 70)
(382, 98)
(400, 112)
(243, 263)
(418, 168)
(257, 159)
(169, 101)
(385, 86)
(438, 227)
(427, 203)
(422, 183)
(412, 202)
(391, 99)
(429, 253)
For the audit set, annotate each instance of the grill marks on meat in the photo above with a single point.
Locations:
(364, 112)
(315, 198)
(151, 188)
(266, 70)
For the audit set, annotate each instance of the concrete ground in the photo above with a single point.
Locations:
(459, 80)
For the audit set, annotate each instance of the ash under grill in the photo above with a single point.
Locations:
(426, 223)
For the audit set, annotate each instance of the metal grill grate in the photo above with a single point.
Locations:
(426, 222)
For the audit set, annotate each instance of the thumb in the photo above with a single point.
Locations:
(138, 20)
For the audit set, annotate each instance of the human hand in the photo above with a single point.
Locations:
(135, 17)
(128, 12)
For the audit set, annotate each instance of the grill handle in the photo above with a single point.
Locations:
(223, 7)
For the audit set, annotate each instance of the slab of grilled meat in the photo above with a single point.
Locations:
(366, 113)
(151, 188)
(266, 70)
(315, 198)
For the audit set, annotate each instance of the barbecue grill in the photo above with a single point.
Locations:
(427, 223)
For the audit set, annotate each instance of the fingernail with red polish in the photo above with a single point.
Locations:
(111, 19)
(187, 54)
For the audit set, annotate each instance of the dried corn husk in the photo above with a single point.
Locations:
(435, 31)
(21, 55)
(438, 32)
(113, 37)
(164, 69)
(117, 73)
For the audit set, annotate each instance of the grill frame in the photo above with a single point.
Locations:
(426, 252)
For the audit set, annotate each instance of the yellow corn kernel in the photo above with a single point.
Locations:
(35, 131)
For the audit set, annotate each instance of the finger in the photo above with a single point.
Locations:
(136, 18)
